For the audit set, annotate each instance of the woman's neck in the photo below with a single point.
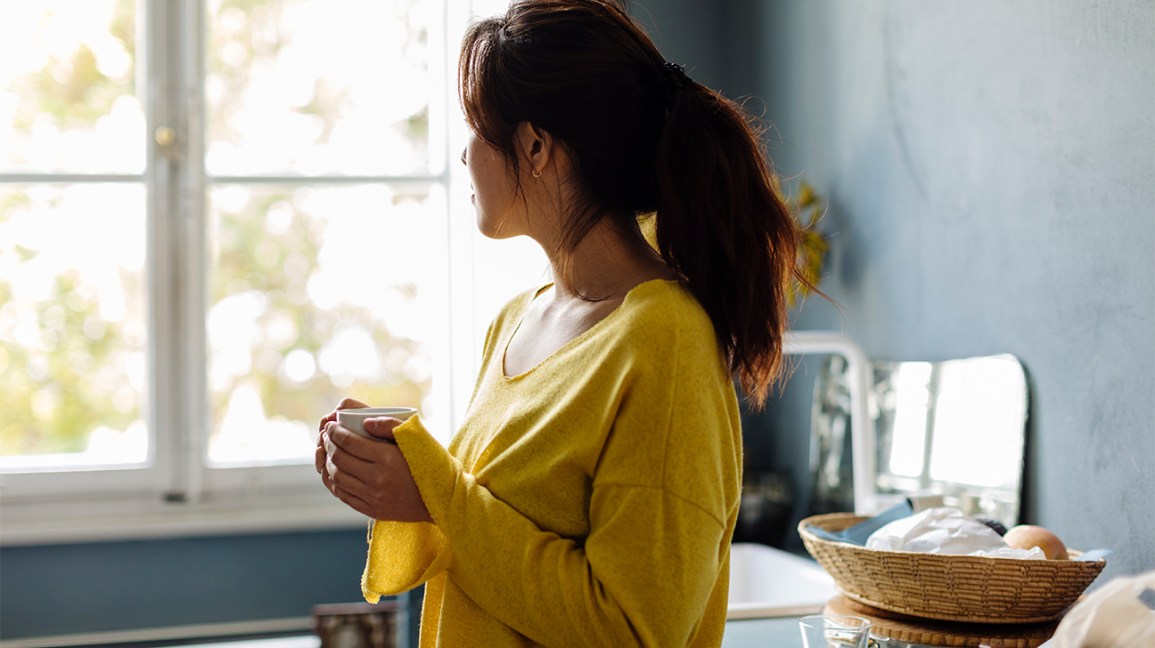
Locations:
(606, 264)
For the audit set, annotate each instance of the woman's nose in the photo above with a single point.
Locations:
(463, 152)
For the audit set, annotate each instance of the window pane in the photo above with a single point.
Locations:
(317, 293)
(315, 87)
(487, 8)
(72, 326)
(67, 89)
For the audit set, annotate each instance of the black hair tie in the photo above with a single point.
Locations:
(676, 80)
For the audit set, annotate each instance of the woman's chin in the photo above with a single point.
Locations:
(489, 230)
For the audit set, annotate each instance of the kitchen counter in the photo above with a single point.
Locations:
(783, 632)
(762, 633)
(742, 633)
(780, 632)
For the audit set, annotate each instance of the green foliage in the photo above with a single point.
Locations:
(279, 267)
(808, 209)
(68, 379)
(71, 89)
(66, 368)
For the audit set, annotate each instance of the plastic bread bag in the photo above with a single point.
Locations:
(1120, 614)
(944, 530)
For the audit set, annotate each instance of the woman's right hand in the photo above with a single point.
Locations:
(320, 458)
(375, 477)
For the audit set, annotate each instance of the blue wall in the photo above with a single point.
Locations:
(991, 172)
(113, 586)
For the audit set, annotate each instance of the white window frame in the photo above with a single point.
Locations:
(178, 494)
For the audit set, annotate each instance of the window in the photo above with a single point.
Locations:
(217, 218)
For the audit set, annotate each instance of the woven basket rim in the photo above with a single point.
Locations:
(855, 572)
(810, 521)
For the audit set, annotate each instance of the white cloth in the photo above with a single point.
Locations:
(945, 530)
(1117, 615)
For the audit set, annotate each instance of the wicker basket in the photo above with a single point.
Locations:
(975, 589)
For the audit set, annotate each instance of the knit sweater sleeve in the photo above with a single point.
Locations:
(660, 511)
(404, 555)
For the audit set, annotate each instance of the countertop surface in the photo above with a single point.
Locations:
(762, 633)
(744, 633)
(778, 632)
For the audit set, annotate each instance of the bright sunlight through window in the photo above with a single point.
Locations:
(217, 219)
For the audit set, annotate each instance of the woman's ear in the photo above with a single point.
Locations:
(536, 146)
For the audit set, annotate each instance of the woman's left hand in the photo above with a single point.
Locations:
(370, 476)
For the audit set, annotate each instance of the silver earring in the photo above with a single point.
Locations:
(536, 173)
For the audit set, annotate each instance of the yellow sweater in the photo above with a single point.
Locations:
(589, 501)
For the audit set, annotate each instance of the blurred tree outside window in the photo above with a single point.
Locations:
(73, 334)
(310, 160)
(308, 301)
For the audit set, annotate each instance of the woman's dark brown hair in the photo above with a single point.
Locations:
(644, 137)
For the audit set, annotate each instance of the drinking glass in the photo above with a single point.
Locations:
(834, 631)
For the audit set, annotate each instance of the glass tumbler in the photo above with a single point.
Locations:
(834, 631)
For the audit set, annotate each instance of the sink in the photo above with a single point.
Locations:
(769, 582)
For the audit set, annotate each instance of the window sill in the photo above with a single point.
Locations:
(26, 523)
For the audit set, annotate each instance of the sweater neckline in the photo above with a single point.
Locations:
(632, 294)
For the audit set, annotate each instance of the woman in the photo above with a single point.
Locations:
(592, 490)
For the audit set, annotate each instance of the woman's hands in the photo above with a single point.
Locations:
(370, 476)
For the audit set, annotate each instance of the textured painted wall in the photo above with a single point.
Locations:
(991, 170)
(114, 586)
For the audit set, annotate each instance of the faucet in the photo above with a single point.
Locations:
(858, 371)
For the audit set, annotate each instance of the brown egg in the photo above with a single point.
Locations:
(1026, 536)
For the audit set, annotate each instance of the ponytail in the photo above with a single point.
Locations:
(723, 226)
(642, 137)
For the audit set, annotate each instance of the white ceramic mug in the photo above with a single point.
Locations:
(354, 419)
